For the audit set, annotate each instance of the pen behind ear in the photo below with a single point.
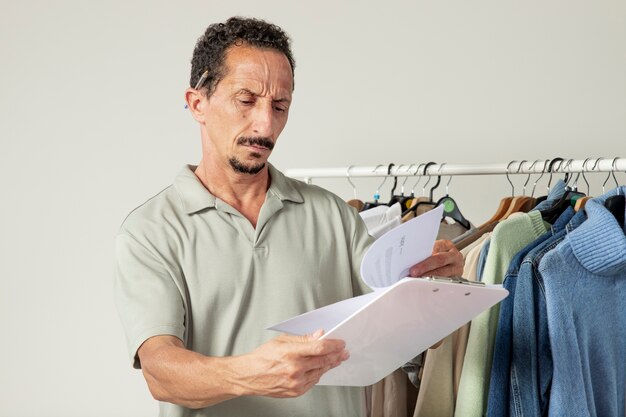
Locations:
(201, 81)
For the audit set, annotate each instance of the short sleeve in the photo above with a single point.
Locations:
(148, 301)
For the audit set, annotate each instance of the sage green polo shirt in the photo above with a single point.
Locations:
(191, 266)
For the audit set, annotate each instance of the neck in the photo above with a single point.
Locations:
(244, 192)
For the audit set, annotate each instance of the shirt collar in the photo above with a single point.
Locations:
(284, 188)
(554, 195)
(195, 197)
(599, 243)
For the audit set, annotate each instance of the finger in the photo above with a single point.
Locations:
(446, 271)
(312, 377)
(431, 263)
(303, 338)
(316, 334)
(316, 347)
(441, 248)
(306, 338)
(443, 245)
(316, 362)
(333, 362)
(445, 264)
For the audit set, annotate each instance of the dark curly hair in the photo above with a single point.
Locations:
(210, 50)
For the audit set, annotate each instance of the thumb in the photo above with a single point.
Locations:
(305, 338)
(314, 336)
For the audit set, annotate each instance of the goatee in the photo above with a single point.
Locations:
(253, 169)
(241, 168)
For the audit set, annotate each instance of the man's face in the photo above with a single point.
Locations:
(248, 109)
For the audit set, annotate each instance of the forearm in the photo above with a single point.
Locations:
(286, 366)
(180, 376)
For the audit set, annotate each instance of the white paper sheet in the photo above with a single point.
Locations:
(390, 257)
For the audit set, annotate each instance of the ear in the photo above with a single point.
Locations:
(195, 103)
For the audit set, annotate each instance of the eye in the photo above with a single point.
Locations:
(246, 102)
(279, 109)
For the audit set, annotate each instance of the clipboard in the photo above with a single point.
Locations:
(403, 321)
(402, 317)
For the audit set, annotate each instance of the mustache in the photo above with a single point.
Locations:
(258, 141)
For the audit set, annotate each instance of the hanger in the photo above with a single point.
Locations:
(376, 202)
(395, 182)
(355, 202)
(430, 201)
(437, 183)
(451, 208)
(580, 203)
(407, 201)
(529, 202)
(550, 167)
(567, 200)
(407, 214)
(413, 208)
(520, 203)
(615, 204)
(402, 199)
(490, 224)
(420, 176)
(505, 202)
(543, 171)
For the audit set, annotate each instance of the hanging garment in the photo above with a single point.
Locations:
(455, 232)
(508, 238)
(375, 216)
(499, 387)
(585, 288)
(419, 208)
(482, 259)
(530, 372)
(449, 230)
(389, 396)
(443, 365)
(381, 219)
(470, 270)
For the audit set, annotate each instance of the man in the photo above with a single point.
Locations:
(234, 246)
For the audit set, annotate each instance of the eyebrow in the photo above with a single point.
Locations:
(252, 93)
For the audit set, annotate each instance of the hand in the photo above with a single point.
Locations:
(288, 366)
(446, 261)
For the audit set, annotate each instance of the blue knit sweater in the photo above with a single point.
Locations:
(585, 287)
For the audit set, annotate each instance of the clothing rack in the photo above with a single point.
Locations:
(554, 166)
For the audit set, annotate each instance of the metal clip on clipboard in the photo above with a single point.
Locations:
(455, 280)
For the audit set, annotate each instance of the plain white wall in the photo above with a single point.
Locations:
(92, 123)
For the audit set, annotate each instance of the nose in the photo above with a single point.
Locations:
(263, 120)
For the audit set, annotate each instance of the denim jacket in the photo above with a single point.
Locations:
(585, 288)
(498, 402)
